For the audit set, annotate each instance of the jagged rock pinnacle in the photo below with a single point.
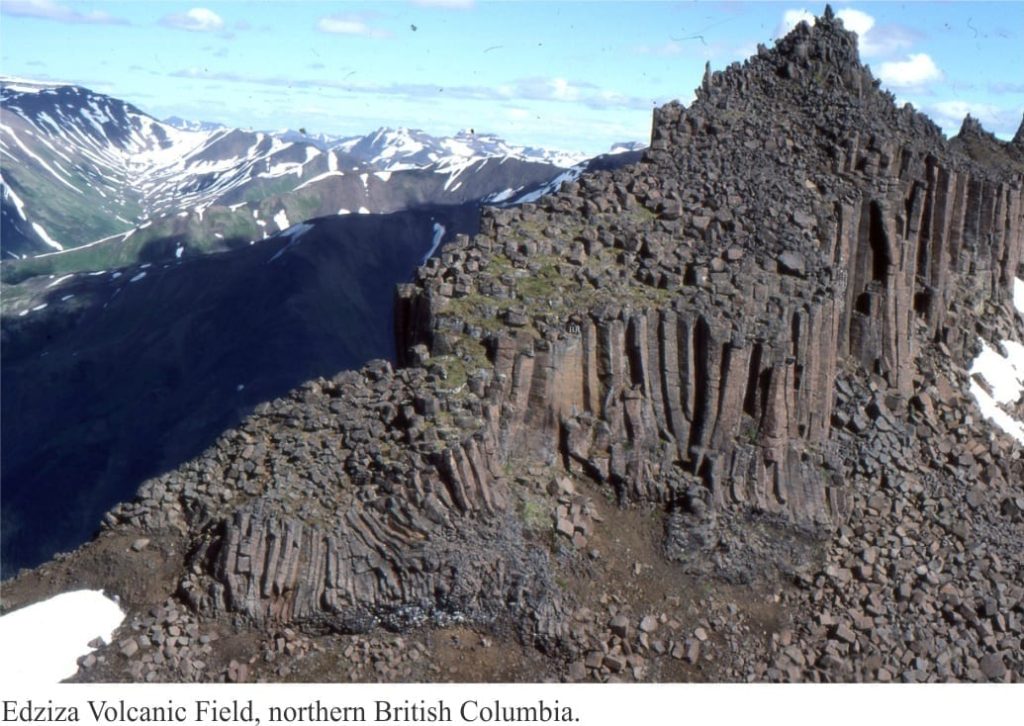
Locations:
(971, 126)
(1018, 138)
(826, 41)
(814, 71)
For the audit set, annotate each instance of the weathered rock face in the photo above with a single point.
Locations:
(672, 330)
(790, 219)
(351, 504)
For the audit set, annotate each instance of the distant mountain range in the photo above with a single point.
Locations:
(85, 170)
(395, 149)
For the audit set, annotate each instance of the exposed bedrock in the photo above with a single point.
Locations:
(336, 517)
(636, 395)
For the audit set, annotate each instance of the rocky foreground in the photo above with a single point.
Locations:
(701, 418)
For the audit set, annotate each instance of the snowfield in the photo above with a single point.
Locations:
(50, 636)
(1004, 375)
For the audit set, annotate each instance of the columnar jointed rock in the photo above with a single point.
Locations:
(352, 503)
(693, 308)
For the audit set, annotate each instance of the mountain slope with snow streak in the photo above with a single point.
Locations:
(81, 167)
(618, 157)
(237, 220)
(402, 148)
(86, 166)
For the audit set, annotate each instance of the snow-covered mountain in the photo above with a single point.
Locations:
(620, 155)
(395, 149)
(626, 146)
(85, 170)
(184, 124)
(81, 166)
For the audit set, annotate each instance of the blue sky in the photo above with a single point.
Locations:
(577, 76)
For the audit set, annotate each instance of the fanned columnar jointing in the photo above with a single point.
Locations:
(671, 330)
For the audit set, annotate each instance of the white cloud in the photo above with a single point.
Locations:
(792, 18)
(545, 89)
(958, 109)
(50, 10)
(1000, 120)
(556, 89)
(917, 70)
(198, 20)
(562, 90)
(348, 25)
(886, 40)
(873, 40)
(856, 20)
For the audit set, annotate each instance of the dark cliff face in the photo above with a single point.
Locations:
(745, 329)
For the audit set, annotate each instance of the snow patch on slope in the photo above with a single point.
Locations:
(50, 636)
(59, 280)
(318, 177)
(1004, 376)
(453, 169)
(501, 196)
(45, 237)
(15, 199)
(552, 186)
(38, 160)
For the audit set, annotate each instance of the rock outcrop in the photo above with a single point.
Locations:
(790, 219)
